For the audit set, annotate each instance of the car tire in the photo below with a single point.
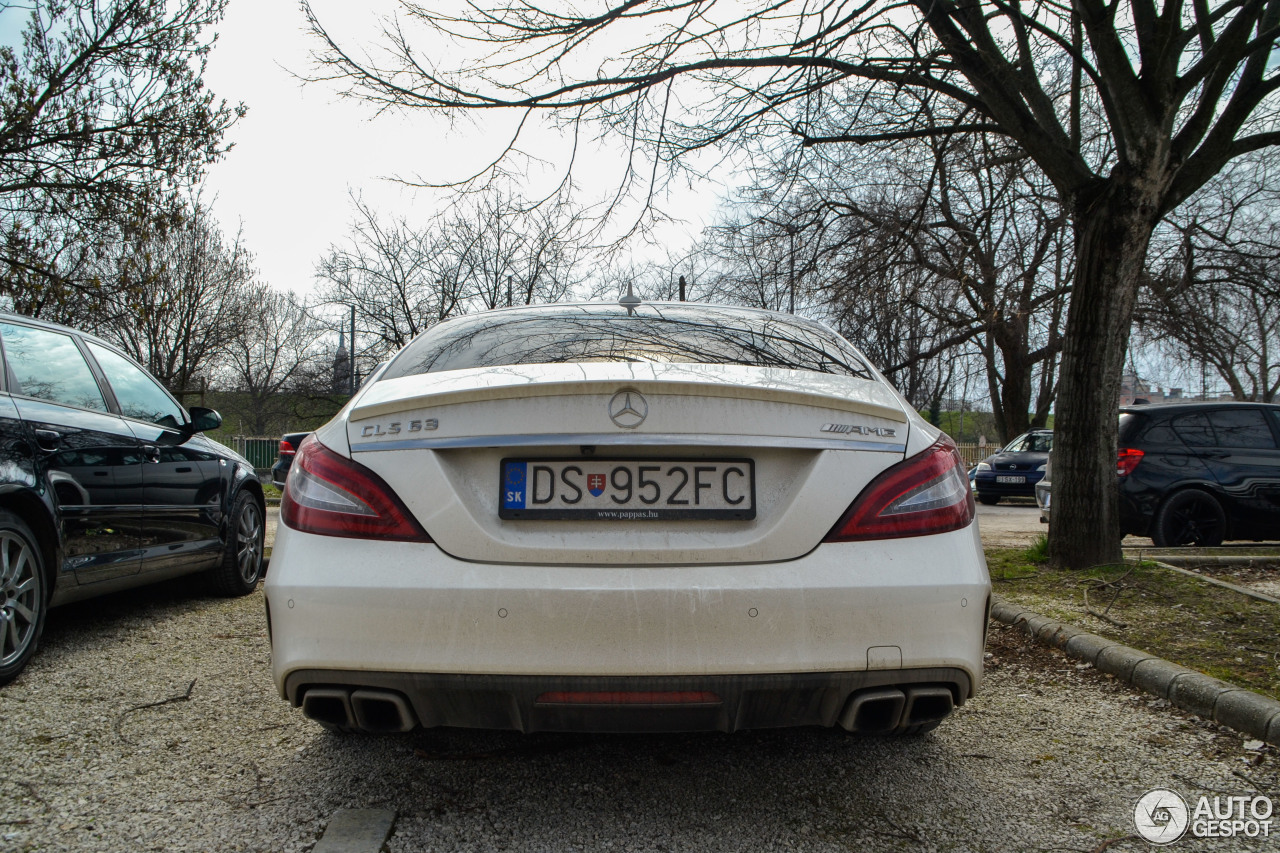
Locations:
(989, 500)
(1189, 517)
(24, 595)
(241, 566)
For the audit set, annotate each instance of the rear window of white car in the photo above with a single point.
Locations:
(648, 333)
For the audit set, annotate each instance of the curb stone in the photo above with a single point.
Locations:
(1243, 710)
(1121, 661)
(1156, 675)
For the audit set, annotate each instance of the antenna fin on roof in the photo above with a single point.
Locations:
(630, 301)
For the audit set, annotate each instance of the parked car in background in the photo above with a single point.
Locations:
(1195, 473)
(634, 517)
(1014, 470)
(1043, 488)
(106, 483)
(289, 443)
(1199, 473)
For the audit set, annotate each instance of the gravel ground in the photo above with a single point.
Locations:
(1015, 523)
(148, 722)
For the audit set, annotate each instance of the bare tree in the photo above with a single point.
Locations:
(401, 280)
(937, 245)
(990, 239)
(103, 113)
(1128, 108)
(277, 355)
(1213, 299)
(512, 253)
(176, 300)
(484, 253)
(689, 276)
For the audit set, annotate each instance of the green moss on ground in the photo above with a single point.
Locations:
(1183, 619)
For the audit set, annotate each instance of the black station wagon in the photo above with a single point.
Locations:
(106, 483)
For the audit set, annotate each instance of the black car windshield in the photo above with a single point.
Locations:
(669, 334)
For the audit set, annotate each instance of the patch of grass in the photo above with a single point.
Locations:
(1182, 619)
(1039, 550)
(269, 491)
(1007, 564)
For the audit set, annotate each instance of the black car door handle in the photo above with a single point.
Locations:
(48, 439)
(1215, 454)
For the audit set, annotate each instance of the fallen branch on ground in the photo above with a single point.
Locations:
(179, 697)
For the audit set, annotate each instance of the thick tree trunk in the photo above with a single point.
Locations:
(1112, 236)
(1016, 397)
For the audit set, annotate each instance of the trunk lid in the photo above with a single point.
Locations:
(814, 441)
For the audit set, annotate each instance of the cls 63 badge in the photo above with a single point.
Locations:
(398, 427)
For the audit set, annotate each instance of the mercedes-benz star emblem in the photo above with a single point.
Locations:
(628, 409)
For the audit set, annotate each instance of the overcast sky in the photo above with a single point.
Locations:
(301, 150)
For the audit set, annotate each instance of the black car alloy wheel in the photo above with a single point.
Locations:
(1189, 517)
(241, 566)
(22, 596)
(249, 542)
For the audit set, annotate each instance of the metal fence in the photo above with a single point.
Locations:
(261, 452)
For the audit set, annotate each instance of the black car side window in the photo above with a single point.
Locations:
(137, 393)
(1195, 430)
(1242, 428)
(1159, 434)
(48, 365)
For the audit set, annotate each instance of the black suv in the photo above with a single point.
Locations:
(1199, 473)
(106, 483)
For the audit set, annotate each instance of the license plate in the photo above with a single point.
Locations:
(626, 490)
(1009, 478)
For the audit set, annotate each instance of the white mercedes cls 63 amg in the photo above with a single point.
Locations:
(630, 517)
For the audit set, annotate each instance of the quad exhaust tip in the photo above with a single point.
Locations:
(372, 711)
(887, 710)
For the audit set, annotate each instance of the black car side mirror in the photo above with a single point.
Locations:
(203, 420)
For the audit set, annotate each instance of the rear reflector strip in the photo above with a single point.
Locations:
(629, 697)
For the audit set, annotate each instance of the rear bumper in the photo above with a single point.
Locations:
(408, 618)
(870, 702)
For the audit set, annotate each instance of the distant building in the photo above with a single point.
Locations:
(1136, 391)
(341, 368)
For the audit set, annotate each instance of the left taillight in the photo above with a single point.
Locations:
(331, 495)
(928, 493)
(1127, 459)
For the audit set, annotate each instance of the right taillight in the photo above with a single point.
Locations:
(1127, 458)
(330, 495)
(928, 493)
(286, 449)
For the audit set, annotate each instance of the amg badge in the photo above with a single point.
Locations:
(859, 429)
